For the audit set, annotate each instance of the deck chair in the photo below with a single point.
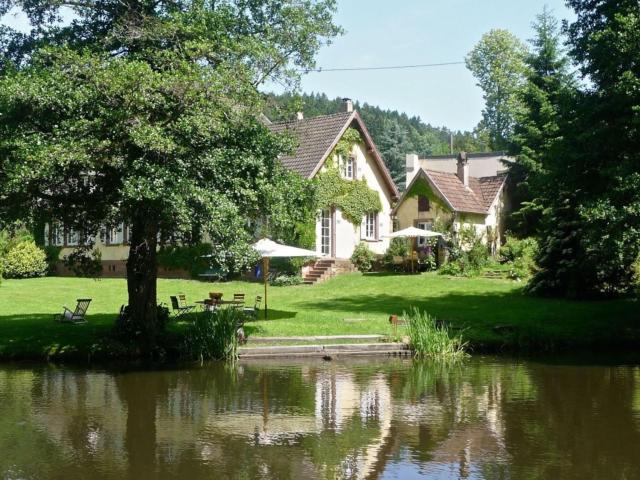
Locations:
(77, 315)
(179, 306)
(253, 311)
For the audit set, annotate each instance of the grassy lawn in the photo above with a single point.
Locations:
(349, 304)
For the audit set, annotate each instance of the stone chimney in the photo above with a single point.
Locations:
(347, 105)
(463, 168)
(413, 165)
(299, 116)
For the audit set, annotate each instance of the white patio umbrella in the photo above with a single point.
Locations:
(269, 249)
(413, 232)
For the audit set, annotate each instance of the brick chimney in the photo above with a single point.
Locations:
(299, 116)
(347, 105)
(463, 168)
(412, 164)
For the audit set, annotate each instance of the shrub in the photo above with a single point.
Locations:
(428, 262)
(214, 335)
(85, 263)
(636, 274)
(53, 256)
(24, 260)
(397, 248)
(519, 256)
(454, 268)
(186, 257)
(515, 248)
(477, 256)
(129, 332)
(362, 257)
(286, 280)
(428, 339)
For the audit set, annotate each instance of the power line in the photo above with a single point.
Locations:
(394, 67)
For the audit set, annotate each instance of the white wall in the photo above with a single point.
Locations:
(348, 235)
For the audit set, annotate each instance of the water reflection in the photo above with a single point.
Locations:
(359, 419)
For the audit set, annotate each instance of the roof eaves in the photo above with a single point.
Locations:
(333, 145)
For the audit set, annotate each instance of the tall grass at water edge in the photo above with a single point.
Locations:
(432, 340)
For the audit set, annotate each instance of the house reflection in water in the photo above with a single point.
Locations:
(373, 419)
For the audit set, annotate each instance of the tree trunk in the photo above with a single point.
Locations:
(142, 275)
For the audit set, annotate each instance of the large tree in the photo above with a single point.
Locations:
(147, 112)
(497, 62)
(549, 85)
(591, 222)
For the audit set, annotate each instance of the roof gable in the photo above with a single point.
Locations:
(477, 198)
(318, 136)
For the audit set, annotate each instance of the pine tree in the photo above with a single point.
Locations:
(537, 129)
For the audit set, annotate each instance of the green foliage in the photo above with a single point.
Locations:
(286, 280)
(186, 257)
(344, 147)
(497, 62)
(394, 133)
(53, 256)
(127, 331)
(467, 254)
(397, 248)
(430, 339)
(537, 130)
(363, 257)
(636, 275)
(214, 336)
(24, 260)
(515, 248)
(162, 104)
(519, 257)
(353, 197)
(84, 263)
(588, 186)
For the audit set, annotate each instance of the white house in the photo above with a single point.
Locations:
(336, 237)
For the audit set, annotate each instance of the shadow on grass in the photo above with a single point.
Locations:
(507, 319)
(39, 335)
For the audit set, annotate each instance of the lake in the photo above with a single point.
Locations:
(493, 418)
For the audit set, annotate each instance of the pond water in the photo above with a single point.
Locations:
(486, 418)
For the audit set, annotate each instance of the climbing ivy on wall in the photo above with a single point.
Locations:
(353, 197)
(345, 145)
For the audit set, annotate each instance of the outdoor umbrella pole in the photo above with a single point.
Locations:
(265, 276)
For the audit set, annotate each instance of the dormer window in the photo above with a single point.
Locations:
(349, 168)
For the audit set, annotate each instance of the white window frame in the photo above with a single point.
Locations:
(325, 232)
(426, 225)
(349, 167)
(369, 226)
(55, 235)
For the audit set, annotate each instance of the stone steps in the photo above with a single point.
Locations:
(318, 339)
(326, 268)
(345, 349)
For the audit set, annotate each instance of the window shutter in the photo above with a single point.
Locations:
(423, 203)
(363, 228)
(377, 224)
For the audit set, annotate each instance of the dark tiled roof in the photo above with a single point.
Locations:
(461, 199)
(315, 137)
(487, 188)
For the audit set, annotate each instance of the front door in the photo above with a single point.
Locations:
(326, 232)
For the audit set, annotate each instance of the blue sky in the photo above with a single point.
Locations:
(383, 32)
